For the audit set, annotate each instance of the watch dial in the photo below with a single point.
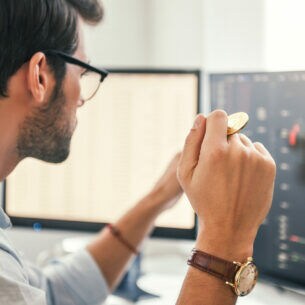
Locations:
(247, 279)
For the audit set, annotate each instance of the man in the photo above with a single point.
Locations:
(229, 181)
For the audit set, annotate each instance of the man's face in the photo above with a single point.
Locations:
(46, 133)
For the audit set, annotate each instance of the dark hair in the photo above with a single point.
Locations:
(29, 26)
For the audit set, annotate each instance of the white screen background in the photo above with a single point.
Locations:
(125, 138)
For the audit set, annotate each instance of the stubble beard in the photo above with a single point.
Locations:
(46, 133)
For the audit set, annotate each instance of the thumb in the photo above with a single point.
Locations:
(191, 151)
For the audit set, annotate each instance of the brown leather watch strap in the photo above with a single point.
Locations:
(214, 265)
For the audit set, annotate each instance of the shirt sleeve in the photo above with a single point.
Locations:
(14, 292)
(14, 285)
(75, 279)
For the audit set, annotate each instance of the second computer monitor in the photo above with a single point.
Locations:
(275, 104)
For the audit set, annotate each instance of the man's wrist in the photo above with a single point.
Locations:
(225, 246)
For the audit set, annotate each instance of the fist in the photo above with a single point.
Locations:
(228, 180)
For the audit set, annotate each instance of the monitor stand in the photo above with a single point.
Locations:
(128, 288)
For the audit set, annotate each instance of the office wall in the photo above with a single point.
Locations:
(233, 35)
(285, 35)
(151, 33)
(175, 31)
(122, 38)
(214, 34)
(241, 35)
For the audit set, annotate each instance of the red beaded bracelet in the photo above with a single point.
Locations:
(117, 233)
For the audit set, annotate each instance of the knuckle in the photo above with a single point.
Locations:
(245, 154)
(246, 138)
(258, 144)
(272, 165)
(269, 169)
(266, 163)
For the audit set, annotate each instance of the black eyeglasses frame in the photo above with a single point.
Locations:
(72, 60)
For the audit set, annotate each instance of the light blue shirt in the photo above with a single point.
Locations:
(74, 280)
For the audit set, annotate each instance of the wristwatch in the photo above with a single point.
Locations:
(242, 277)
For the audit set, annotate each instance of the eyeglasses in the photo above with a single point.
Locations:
(91, 79)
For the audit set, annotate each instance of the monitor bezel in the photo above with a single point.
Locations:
(159, 232)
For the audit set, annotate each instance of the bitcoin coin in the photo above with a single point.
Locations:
(236, 122)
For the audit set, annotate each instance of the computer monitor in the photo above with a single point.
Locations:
(125, 138)
(275, 103)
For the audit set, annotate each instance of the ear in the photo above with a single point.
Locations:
(40, 78)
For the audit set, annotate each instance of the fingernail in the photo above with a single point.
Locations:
(197, 122)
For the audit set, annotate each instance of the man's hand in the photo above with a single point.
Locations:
(229, 182)
(168, 189)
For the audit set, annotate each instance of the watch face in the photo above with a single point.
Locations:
(245, 279)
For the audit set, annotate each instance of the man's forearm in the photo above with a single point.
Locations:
(202, 288)
(113, 256)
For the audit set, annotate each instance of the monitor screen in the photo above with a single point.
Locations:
(275, 103)
(125, 138)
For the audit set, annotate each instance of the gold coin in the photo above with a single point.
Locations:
(236, 122)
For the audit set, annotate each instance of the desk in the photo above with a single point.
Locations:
(263, 294)
(168, 286)
(164, 265)
(164, 274)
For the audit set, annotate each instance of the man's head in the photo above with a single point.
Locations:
(42, 89)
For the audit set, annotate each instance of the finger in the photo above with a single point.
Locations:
(246, 141)
(191, 150)
(216, 129)
(262, 149)
(234, 139)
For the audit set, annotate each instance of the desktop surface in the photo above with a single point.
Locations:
(164, 268)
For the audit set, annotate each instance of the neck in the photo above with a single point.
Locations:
(7, 163)
(8, 140)
(8, 156)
